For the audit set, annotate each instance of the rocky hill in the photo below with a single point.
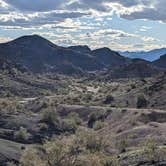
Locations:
(161, 62)
(136, 69)
(40, 55)
(109, 58)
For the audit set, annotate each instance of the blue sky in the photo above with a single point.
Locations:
(118, 24)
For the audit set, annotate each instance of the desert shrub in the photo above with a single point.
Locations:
(87, 97)
(98, 125)
(8, 106)
(141, 101)
(109, 99)
(32, 157)
(91, 159)
(51, 117)
(75, 117)
(22, 134)
(94, 142)
(69, 125)
(112, 161)
(90, 140)
(151, 151)
(95, 116)
(124, 110)
(43, 126)
(122, 145)
(109, 111)
(58, 153)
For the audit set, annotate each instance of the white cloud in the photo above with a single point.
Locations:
(83, 21)
(149, 39)
(25, 20)
(37, 5)
(4, 39)
(114, 33)
(144, 28)
(29, 13)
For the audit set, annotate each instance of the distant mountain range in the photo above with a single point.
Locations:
(149, 55)
(38, 55)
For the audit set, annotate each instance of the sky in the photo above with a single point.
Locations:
(121, 25)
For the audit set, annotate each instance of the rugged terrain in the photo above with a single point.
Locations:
(80, 107)
(110, 108)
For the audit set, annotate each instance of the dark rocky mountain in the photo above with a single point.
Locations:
(147, 55)
(161, 62)
(40, 55)
(109, 58)
(137, 68)
(81, 49)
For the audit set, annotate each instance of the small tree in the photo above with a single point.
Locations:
(142, 101)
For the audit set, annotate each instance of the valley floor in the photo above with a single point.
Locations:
(116, 122)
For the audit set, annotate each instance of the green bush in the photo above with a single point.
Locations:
(94, 142)
(22, 134)
(69, 125)
(151, 151)
(75, 117)
(98, 125)
(141, 101)
(96, 116)
(51, 117)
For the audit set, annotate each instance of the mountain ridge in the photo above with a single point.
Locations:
(39, 55)
(146, 55)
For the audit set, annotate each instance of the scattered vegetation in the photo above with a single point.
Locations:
(85, 148)
(86, 122)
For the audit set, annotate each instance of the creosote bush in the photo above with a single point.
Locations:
(75, 117)
(98, 125)
(22, 134)
(97, 116)
(50, 116)
(151, 151)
